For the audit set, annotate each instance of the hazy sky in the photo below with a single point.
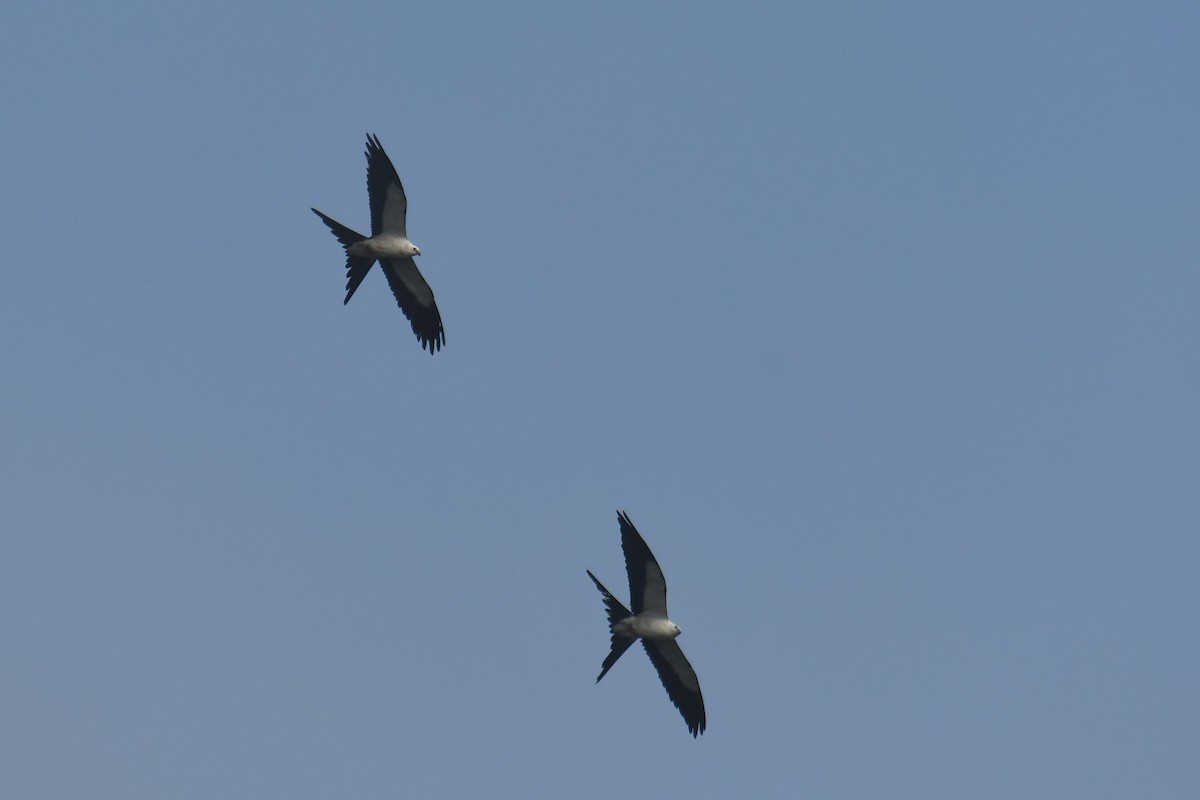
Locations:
(881, 320)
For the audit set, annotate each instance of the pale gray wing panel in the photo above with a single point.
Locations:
(415, 299)
(680, 681)
(647, 586)
(389, 206)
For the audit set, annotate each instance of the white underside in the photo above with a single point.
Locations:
(384, 246)
(647, 628)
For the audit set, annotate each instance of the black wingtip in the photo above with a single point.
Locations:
(432, 343)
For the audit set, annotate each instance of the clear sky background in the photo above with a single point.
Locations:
(881, 320)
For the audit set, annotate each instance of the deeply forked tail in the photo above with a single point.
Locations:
(357, 267)
(616, 613)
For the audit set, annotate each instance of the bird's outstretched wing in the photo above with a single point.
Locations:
(647, 586)
(389, 206)
(680, 681)
(415, 299)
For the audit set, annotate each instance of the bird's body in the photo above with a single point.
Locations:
(384, 246)
(646, 628)
(648, 622)
(390, 246)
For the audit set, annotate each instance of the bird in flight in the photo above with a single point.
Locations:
(390, 246)
(648, 621)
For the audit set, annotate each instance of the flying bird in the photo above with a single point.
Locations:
(390, 246)
(648, 621)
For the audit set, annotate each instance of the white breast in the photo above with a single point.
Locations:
(385, 246)
(647, 628)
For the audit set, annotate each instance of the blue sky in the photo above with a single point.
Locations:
(880, 321)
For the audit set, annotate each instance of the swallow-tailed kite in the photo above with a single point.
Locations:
(389, 244)
(648, 622)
